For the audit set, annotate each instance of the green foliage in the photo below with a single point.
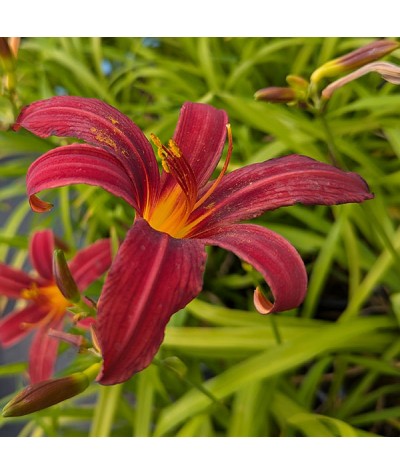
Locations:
(335, 371)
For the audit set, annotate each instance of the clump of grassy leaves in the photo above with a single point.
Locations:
(329, 368)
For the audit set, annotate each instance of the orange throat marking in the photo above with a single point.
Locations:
(173, 210)
(49, 298)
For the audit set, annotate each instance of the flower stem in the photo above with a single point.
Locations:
(275, 328)
(330, 141)
(105, 410)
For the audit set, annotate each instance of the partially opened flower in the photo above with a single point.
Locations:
(159, 266)
(46, 305)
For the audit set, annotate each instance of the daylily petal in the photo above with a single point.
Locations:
(152, 277)
(41, 247)
(102, 125)
(200, 134)
(90, 263)
(43, 354)
(79, 164)
(247, 192)
(12, 329)
(274, 257)
(13, 281)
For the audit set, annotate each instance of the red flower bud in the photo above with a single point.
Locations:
(355, 59)
(276, 94)
(45, 394)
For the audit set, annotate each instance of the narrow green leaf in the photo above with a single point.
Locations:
(267, 364)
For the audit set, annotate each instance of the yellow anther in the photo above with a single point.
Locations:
(163, 154)
(157, 142)
(31, 293)
(174, 148)
(165, 165)
(162, 151)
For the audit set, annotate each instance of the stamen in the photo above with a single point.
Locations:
(174, 162)
(174, 148)
(172, 213)
(30, 294)
(217, 181)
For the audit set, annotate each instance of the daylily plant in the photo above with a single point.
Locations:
(159, 266)
(46, 305)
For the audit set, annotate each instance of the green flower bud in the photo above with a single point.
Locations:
(297, 82)
(63, 277)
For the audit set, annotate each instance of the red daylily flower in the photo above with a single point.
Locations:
(46, 306)
(159, 266)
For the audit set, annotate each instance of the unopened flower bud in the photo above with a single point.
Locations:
(8, 54)
(5, 51)
(389, 72)
(63, 277)
(276, 94)
(355, 59)
(45, 394)
(9, 47)
(297, 82)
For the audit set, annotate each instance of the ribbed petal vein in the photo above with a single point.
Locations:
(90, 263)
(80, 164)
(41, 247)
(98, 124)
(152, 277)
(200, 134)
(11, 327)
(43, 354)
(13, 281)
(247, 192)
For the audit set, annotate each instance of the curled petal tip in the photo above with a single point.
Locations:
(262, 304)
(38, 205)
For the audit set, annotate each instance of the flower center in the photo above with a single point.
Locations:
(49, 298)
(174, 208)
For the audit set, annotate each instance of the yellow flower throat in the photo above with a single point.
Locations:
(173, 210)
(49, 298)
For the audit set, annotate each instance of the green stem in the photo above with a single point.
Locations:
(66, 215)
(199, 387)
(330, 141)
(105, 410)
(92, 371)
(275, 329)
